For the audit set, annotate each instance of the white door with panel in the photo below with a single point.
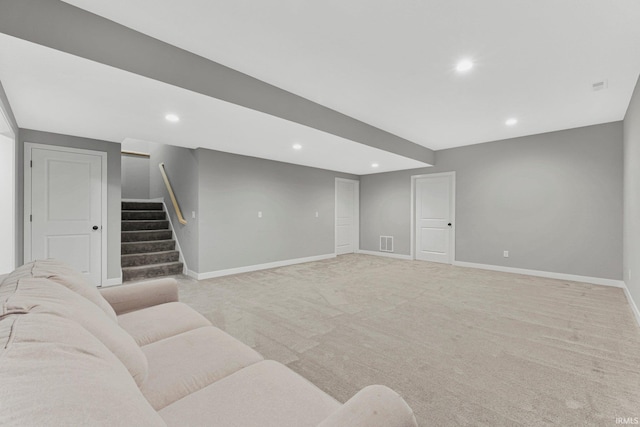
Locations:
(66, 209)
(434, 211)
(347, 216)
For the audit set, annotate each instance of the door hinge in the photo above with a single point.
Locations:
(30, 163)
(30, 218)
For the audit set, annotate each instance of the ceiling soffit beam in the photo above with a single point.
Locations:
(66, 28)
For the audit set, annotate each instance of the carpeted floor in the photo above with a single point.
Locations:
(462, 346)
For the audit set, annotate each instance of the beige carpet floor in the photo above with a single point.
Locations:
(462, 346)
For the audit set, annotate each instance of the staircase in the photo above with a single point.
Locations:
(148, 248)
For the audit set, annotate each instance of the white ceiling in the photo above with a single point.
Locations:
(57, 92)
(391, 63)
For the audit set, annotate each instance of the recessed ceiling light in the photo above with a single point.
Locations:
(464, 66)
(297, 146)
(510, 122)
(172, 118)
(374, 165)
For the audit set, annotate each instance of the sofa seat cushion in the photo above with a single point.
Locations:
(67, 276)
(161, 321)
(45, 296)
(265, 394)
(188, 362)
(53, 372)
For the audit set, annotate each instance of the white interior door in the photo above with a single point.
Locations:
(66, 209)
(434, 218)
(347, 216)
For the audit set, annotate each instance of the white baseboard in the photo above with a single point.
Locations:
(547, 274)
(249, 268)
(113, 282)
(632, 303)
(385, 254)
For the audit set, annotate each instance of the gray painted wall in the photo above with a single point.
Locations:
(553, 200)
(181, 166)
(234, 188)
(135, 177)
(631, 259)
(113, 181)
(135, 171)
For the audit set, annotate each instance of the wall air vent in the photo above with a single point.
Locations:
(386, 243)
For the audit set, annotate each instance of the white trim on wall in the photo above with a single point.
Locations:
(256, 267)
(412, 233)
(547, 274)
(632, 303)
(11, 203)
(28, 146)
(385, 254)
(112, 282)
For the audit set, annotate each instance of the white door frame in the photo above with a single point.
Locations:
(356, 216)
(28, 146)
(414, 178)
(12, 135)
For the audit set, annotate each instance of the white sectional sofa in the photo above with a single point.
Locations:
(133, 355)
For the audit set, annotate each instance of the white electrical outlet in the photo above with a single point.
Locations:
(259, 214)
(317, 215)
(193, 214)
(505, 254)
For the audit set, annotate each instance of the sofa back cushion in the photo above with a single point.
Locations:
(61, 273)
(54, 372)
(38, 295)
(70, 278)
(9, 283)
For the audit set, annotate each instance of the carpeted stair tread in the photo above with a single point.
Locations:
(142, 215)
(146, 206)
(153, 270)
(146, 235)
(145, 224)
(133, 260)
(148, 247)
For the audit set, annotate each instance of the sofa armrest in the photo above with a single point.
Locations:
(136, 296)
(373, 406)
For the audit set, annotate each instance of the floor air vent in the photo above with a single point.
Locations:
(386, 243)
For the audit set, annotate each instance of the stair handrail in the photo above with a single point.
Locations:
(173, 197)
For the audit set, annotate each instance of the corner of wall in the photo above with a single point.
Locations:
(631, 201)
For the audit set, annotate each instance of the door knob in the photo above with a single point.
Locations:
(95, 227)
(449, 224)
